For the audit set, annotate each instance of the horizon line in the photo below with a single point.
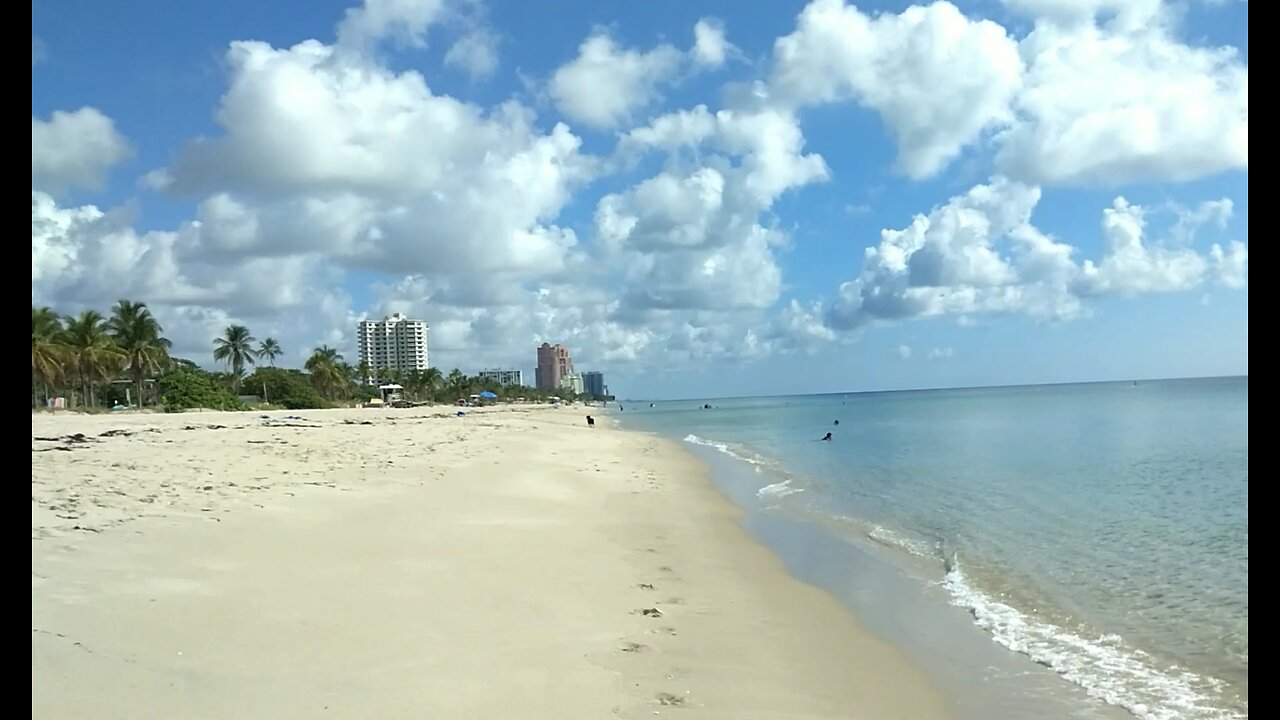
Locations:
(940, 388)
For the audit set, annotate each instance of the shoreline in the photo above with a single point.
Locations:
(904, 591)
(507, 563)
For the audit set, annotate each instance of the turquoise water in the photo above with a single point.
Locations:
(1101, 530)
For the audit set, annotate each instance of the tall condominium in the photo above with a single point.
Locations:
(394, 343)
(571, 384)
(593, 384)
(554, 363)
(505, 378)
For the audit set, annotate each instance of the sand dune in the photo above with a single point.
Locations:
(411, 564)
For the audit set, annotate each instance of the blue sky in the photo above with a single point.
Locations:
(492, 168)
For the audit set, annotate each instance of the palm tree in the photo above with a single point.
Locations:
(363, 373)
(415, 382)
(348, 373)
(394, 375)
(138, 335)
(269, 349)
(434, 380)
(457, 383)
(94, 353)
(48, 352)
(235, 348)
(328, 373)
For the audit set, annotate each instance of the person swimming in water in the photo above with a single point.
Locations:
(826, 437)
(837, 422)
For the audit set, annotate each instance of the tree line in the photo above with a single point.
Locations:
(90, 359)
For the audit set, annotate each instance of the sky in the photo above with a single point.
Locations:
(698, 199)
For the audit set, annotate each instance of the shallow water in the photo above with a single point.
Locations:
(1101, 530)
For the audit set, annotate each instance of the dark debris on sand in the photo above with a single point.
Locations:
(69, 442)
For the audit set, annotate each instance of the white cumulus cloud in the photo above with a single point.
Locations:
(980, 254)
(936, 77)
(1133, 266)
(691, 235)
(953, 261)
(606, 84)
(710, 47)
(75, 149)
(1102, 106)
(475, 53)
(373, 169)
(405, 21)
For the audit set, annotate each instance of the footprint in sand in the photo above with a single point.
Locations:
(664, 698)
(645, 586)
(633, 647)
(647, 612)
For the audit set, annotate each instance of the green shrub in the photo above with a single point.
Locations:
(290, 389)
(184, 389)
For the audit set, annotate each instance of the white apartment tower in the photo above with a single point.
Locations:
(505, 378)
(395, 343)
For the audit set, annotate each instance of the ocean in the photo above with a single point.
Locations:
(1094, 536)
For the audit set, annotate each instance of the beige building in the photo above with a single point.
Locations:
(554, 363)
(571, 383)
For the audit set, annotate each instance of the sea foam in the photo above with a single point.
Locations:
(777, 490)
(772, 491)
(730, 450)
(1102, 665)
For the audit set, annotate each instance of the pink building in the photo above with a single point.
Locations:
(554, 363)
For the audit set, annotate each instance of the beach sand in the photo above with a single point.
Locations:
(511, 563)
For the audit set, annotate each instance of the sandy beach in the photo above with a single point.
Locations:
(511, 563)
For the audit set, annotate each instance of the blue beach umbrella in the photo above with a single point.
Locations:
(487, 394)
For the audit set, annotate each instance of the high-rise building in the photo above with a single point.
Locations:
(393, 343)
(505, 378)
(593, 384)
(571, 383)
(554, 363)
